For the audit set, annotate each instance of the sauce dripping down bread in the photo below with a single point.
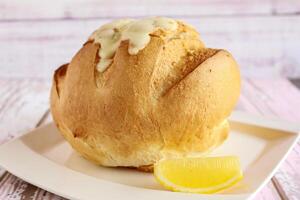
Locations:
(110, 36)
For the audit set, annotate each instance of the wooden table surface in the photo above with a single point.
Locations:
(36, 37)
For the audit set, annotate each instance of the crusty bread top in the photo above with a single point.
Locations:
(138, 34)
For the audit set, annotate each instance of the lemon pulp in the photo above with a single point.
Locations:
(198, 175)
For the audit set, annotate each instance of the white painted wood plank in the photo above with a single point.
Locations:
(289, 176)
(286, 6)
(263, 46)
(247, 104)
(268, 193)
(22, 104)
(62, 9)
(271, 97)
(277, 97)
(13, 188)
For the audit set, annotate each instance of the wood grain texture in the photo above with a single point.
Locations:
(19, 98)
(279, 188)
(271, 97)
(78, 9)
(289, 176)
(269, 192)
(278, 98)
(22, 103)
(286, 6)
(14, 188)
(263, 46)
(57, 9)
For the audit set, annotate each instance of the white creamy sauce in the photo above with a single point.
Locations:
(110, 36)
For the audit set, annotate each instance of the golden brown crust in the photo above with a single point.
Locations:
(171, 99)
(145, 168)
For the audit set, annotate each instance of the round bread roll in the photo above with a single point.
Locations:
(170, 98)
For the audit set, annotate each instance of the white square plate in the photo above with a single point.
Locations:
(43, 158)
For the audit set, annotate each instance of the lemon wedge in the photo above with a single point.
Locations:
(198, 175)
